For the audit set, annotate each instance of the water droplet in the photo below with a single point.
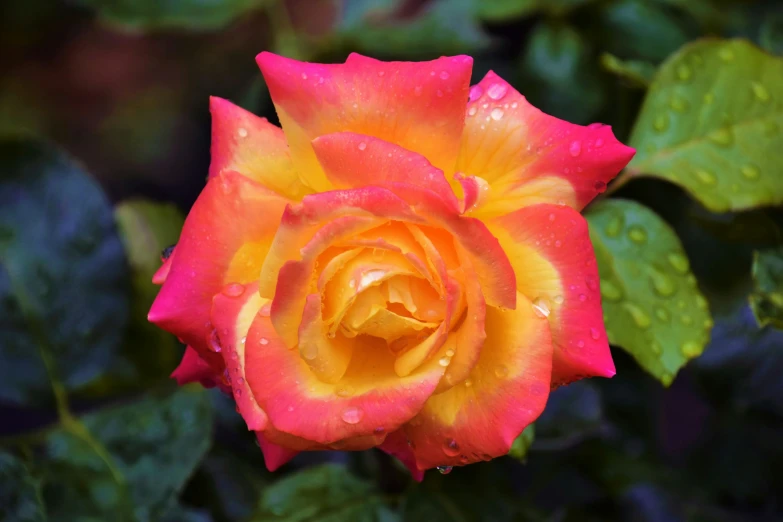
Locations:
(238, 392)
(472, 111)
(514, 105)
(691, 280)
(683, 72)
(722, 137)
(362, 146)
(639, 316)
(706, 177)
(309, 351)
(551, 217)
(591, 283)
(655, 348)
(444, 361)
(679, 262)
(701, 302)
(496, 114)
(541, 307)
(558, 299)
(345, 390)
(468, 383)
(233, 290)
(450, 353)
(475, 93)
(666, 378)
(760, 91)
(599, 143)
(690, 349)
(637, 234)
(599, 186)
(662, 284)
(615, 226)
(444, 470)
(496, 91)
(662, 314)
(610, 291)
(242, 132)
(661, 122)
(501, 371)
(575, 149)
(444, 75)
(595, 333)
(451, 448)
(352, 415)
(726, 54)
(213, 342)
(687, 320)
(678, 104)
(751, 172)
(264, 341)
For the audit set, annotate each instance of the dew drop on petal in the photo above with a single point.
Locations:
(352, 415)
(475, 93)
(444, 75)
(213, 342)
(362, 146)
(444, 470)
(233, 290)
(309, 351)
(501, 371)
(264, 341)
(496, 114)
(575, 149)
(595, 333)
(451, 448)
(541, 307)
(242, 132)
(496, 91)
(599, 186)
(444, 361)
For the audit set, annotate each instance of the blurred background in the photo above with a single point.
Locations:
(93, 429)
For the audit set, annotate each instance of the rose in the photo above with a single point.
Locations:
(393, 268)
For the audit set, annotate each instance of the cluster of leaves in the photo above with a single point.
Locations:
(689, 252)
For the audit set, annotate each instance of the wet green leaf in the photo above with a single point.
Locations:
(711, 122)
(63, 274)
(160, 14)
(20, 492)
(767, 297)
(327, 493)
(502, 10)
(652, 305)
(637, 73)
(151, 448)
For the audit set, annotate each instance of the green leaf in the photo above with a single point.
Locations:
(148, 353)
(443, 27)
(559, 75)
(652, 306)
(20, 493)
(641, 29)
(503, 10)
(63, 273)
(522, 443)
(327, 493)
(168, 14)
(767, 297)
(637, 73)
(128, 462)
(711, 123)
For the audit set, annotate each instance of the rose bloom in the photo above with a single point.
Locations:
(402, 266)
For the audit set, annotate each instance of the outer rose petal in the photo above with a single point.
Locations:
(245, 143)
(224, 240)
(232, 316)
(426, 116)
(554, 260)
(369, 401)
(193, 368)
(509, 388)
(512, 145)
(274, 454)
(396, 444)
(353, 160)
